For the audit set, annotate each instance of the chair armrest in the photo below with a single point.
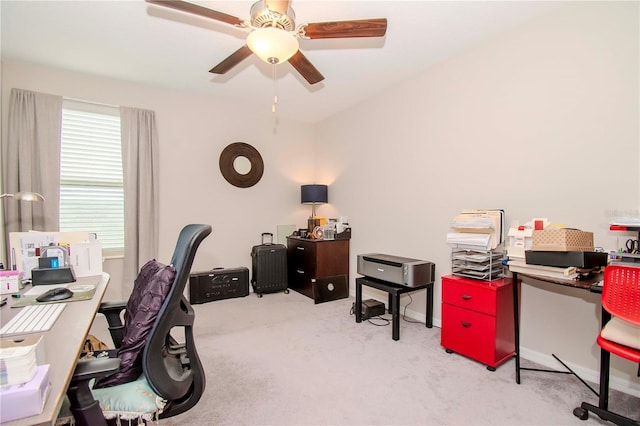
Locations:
(87, 369)
(109, 308)
(112, 311)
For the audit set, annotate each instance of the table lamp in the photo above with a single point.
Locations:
(314, 194)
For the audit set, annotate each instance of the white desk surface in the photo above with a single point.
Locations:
(63, 344)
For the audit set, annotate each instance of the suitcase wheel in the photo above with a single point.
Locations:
(259, 294)
(286, 291)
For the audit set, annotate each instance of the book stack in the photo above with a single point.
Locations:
(557, 272)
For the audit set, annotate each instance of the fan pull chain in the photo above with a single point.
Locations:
(275, 90)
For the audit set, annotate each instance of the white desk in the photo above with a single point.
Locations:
(63, 344)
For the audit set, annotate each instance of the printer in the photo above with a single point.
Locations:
(395, 269)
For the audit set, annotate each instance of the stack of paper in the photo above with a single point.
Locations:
(469, 241)
(19, 360)
(476, 221)
(565, 273)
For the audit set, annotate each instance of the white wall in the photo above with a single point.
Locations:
(193, 130)
(542, 121)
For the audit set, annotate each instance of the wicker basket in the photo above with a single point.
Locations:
(562, 240)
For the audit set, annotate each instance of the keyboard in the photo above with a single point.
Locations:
(33, 319)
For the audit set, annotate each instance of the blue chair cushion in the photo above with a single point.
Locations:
(130, 401)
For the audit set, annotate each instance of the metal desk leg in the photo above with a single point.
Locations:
(358, 305)
(605, 367)
(395, 315)
(516, 324)
(429, 311)
(390, 304)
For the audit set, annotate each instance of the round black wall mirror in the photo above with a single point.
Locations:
(241, 165)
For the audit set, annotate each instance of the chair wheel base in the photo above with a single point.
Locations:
(581, 413)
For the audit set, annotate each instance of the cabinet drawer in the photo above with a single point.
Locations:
(469, 333)
(478, 296)
(301, 258)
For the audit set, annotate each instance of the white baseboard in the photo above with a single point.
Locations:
(545, 360)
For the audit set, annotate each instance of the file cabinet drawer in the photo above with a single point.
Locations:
(469, 333)
(478, 296)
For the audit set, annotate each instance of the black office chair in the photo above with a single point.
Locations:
(172, 372)
(620, 299)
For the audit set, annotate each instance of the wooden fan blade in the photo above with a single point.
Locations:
(197, 10)
(346, 29)
(305, 68)
(232, 60)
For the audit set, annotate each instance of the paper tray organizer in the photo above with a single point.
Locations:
(477, 244)
(479, 265)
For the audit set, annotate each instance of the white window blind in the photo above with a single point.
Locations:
(91, 182)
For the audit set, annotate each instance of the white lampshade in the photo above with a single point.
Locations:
(272, 45)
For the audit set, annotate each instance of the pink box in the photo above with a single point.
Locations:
(10, 282)
(26, 399)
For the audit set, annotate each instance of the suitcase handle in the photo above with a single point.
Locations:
(270, 235)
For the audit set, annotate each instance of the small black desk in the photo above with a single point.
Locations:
(394, 290)
(588, 284)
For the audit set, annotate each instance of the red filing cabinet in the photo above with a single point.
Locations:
(477, 319)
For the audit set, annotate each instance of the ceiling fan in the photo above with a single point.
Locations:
(274, 34)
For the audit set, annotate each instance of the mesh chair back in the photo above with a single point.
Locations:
(621, 292)
(172, 373)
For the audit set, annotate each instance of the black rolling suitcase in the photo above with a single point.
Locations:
(269, 267)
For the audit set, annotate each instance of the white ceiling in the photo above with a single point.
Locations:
(141, 42)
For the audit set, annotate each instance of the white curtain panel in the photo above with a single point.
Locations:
(140, 168)
(30, 161)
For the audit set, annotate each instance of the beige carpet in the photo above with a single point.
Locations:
(281, 360)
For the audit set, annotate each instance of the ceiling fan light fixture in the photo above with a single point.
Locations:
(272, 45)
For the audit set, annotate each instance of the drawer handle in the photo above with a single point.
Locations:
(466, 297)
(465, 324)
(300, 271)
(300, 248)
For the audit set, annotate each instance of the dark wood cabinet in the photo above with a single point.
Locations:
(319, 269)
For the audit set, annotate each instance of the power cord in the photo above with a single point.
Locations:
(404, 311)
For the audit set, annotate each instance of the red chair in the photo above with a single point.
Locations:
(620, 300)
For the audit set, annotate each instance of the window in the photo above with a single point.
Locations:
(91, 181)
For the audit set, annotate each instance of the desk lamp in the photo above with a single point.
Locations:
(314, 194)
(21, 196)
(24, 196)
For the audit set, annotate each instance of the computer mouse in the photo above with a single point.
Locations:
(55, 294)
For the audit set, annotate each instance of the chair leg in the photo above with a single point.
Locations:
(85, 409)
(614, 418)
(605, 366)
(602, 409)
